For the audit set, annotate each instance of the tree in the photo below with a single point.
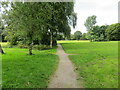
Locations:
(62, 17)
(1, 50)
(72, 37)
(34, 21)
(26, 22)
(60, 36)
(113, 32)
(1, 29)
(78, 35)
(84, 36)
(89, 24)
(99, 33)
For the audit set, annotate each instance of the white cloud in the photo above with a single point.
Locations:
(105, 10)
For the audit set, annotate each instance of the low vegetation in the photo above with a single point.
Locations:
(96, 62)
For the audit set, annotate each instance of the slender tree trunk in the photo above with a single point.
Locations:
(1, 50)
(30, 49)
(51, 39)
(39, 42)
(54, 42)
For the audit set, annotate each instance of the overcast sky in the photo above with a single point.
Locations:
(105, 10)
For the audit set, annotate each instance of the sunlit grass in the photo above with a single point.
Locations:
(4, 44)
(72, 41)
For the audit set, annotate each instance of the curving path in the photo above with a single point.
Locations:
(64, 77)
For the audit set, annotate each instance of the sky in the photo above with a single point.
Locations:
(105, 10)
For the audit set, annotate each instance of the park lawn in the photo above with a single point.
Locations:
(95, 62)
(20, 70)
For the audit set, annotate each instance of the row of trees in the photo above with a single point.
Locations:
(101, 33)
(98, 33)
(76, 36)
(37, 22)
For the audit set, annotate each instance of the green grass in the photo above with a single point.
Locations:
(95, 62)
(24, 71)
(72, 41)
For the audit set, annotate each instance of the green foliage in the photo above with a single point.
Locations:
(60, 37)
(89, 24)
(20, 70)
(84, 36)
(95, 33)
(22, 46)
(41, 47)
(95, 62)
(101, 33)
(38, 47)
(113, 32)
(72, 37)
(77, 35)
(98, 33)
(38, 21)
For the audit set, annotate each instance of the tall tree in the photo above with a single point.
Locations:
(26, 20)
(62, 17)
(1, 29)
(89, 24)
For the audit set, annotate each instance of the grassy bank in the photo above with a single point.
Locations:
(24, 71)
(96, 62)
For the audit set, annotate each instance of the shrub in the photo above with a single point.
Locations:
(38, 47)
(22, 46)
(41, 47)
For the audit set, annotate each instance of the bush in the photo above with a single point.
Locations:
(41, 47)
(38, 47)
(22, 46)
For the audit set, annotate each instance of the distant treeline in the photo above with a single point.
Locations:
(99, 33)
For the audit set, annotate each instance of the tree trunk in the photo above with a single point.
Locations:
(39, 42)
(51, 40)
(30, 49)
(1, 50)
(54, 42)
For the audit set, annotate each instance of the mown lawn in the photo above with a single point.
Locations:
(96, 62)
(20, 70)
